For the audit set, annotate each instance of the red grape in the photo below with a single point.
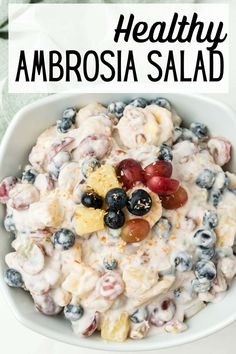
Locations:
(163, 313)
(6, 185)
(220, 148)
(158, 168)
(58, 147)
(129, 172)
(111, 285)
(98, 145)
(92, 326)
(86, 325)
(163, 185)
(135, 230)
(175, 200)
(46, 305)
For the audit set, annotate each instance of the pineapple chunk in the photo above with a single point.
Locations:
(117, 329)
(103, 179)
(88, 220)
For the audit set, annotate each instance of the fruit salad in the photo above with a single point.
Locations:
(123, 220)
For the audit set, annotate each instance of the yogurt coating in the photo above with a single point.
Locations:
(68, 259)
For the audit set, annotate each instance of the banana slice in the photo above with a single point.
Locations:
(138, 126)
(39, 154)
(161, 287)
(92, 109)
(151, 131)
(96, 302)
(156, 211)
(164, 121)
(48, 212)
(69, 176)
(81, 281)
(68, 257)
(30, 257)
(138, 280)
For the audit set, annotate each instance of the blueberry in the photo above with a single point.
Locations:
(13, 278)
(205, 253)
(163, 227)
(53, 171)
(162, 102)
(114, 219)
(9, 223)
(215, 197)
(232, 190)
(110, 264)
(116, 108)
(139, 315)
(64, 125)
(188, 135)
(69, 113)
(89, 165)
(73, 312)
(139, 102)
(90, 199)
(165, 153)
(181, 261)
(116, 199)
(205, 178)
(210, 219)
(139, 203)
(184, 134)
(205, 270)
(201, 285)
(177, 292)
(178, 134)
(205, 238)
(234, 249)
(200, 130)
(29, 175)
(64, 239)
(57, 162)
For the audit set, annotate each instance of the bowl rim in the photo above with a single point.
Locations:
(105, 345)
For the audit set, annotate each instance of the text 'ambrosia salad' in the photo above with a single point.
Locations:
(123, 220)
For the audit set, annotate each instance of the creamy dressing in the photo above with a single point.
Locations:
(146, 273)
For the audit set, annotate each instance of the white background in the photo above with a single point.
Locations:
(46, 27)
(15, 339)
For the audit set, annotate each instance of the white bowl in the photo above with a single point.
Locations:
(15, 147)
